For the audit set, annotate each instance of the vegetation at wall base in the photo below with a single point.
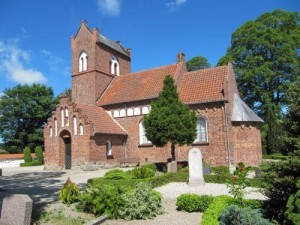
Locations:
(27, 155)
(33, 163)
(38, 152)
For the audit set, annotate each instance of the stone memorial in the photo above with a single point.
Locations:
(195, 167)
(16, 210)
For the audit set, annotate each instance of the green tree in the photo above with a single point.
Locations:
(292, 119)
(24, 110)
(197, 63)
(265, 54)
(170, 120)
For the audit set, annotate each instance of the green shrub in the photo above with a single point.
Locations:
(280, 178)
(221, 170)
(142, 203)
(211, 215)
(2, 151)
(69, 192)
(251, 203)
(144, 171)
(27, 155)
(105, 199)
(233, 215)
(116, 174)
(39, 154)
(33, 163)
(293, 206)
(193, 202)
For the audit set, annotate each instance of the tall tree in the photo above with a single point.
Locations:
(23, 112)
(265, 54)
(170, 120)
(197, 63)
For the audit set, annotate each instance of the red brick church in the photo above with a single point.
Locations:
(103, 122)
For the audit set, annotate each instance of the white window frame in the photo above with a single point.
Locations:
(142, 133)
(202, 134)
(55, 126)
(51, 131)
(75, 125)
(114, 66)
(83, 61)
(62, 115)
(67, 116)
(108, 148)
(80, 129)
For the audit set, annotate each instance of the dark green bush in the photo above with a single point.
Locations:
(211, 215)
(27, 155)
(144, 171)
(33, 163)
(280, 178)
(105, 199)
(69, 192)
(233, 215)
(2, 151)
(193, 202)
(116, 174)
(221, 170)
(142, 203)
(39, 154)
(293, 207)
(0, 172)
(251, 203)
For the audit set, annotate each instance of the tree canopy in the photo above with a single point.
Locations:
(24, 110)
(197, 63)
(170, 120)
(265, 55)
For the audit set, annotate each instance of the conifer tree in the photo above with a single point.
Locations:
(170, 120)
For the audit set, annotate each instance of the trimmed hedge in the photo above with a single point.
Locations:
(193, 202)
(27, 155)
(38, 152)
(34, 163)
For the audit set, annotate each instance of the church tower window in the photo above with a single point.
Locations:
(114, 66)
(83, 61)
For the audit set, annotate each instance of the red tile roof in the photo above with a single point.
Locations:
(203, 85)
(136, 86)
(103, 122)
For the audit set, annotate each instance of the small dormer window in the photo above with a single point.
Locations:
(114, 66)
(83, 62)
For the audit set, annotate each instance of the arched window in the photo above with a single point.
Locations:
(145, 110)
(62, 115)
(108, 148)
(114, 66)
(50, 130)
(67, 116)
(75, 125)
(83, 61)
(143, 138)
(55, 126)
(116, 113)
(122, 113)
(201, 130)
(80, 129)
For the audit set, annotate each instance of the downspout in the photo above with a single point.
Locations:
(227, 136)
(126, 131)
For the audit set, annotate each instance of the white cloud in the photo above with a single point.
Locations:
(109, 7)
(13, 61)
(175, 4)
(56, 63)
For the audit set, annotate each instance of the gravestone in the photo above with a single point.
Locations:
(172, 167)
(195, 167)
(16, 210)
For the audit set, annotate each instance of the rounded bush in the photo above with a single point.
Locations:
(69, 192)
(27, 155)
(116, 174)
(193, 202)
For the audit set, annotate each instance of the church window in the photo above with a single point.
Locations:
(83, 62)
(62, 117)
(80, 129)
(50, 130)
(114, 66)
(108, 148)
(143, 138)
(137, 111)
(122, 113)
(55, 126)
(130, 112)
(201, 130)
(67, 116)
(145, 110)
(75, 125)
(116, 113)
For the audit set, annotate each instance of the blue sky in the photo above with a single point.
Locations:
(35, 35)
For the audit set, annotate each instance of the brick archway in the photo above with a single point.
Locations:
(66, 147)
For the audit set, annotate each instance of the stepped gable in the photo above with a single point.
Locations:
(102, 121)
(202, 86)
(137, 86)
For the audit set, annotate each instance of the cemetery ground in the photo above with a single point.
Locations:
(44, 187)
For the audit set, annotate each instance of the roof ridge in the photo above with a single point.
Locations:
(206, 69)
(143, 71)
